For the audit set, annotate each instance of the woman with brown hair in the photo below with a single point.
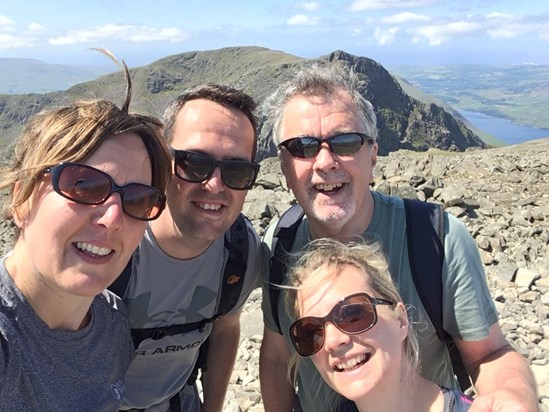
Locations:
(83, 181)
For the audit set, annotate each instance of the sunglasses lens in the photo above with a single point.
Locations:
(355, 316)
(307, 334)
(142, 202)
(83, 184)
(196, 167)
(193, 167)
(238, 174)
(86, 185)
(346, 144)
(304, 147)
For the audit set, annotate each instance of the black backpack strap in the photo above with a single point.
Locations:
(237, 246)
(426, 254)
(118, 287)
(139, 335)
(425, 236)
(236, 243)
(283, 239)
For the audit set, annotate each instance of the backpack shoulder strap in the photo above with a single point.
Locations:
(118, 287)
(425, 236)
(237, 245)
(283, 239)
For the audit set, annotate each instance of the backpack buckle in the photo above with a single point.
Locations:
(158, 333)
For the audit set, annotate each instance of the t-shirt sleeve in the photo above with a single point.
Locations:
(468, 307)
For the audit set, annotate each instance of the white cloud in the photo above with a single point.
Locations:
(302, 20)
(13, 42)
(504, 33)
(129, 33)
(496, 15)
(441, 33)
(405, 17)
(361, 5)
(6, 23)
(308, 5)
(384, 37)
(37, 28)
(507, 26)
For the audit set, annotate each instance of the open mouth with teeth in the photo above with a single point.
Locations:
(328, 187)
(353, 364)
(209, 206)
(91, 249)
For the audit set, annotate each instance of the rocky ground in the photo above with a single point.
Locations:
(502, 196)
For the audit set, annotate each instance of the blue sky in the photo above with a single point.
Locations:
(393, 32)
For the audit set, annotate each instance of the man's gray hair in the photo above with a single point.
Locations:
(315, 81)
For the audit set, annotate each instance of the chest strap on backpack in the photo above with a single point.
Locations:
(236, 244)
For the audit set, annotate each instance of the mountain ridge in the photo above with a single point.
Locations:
(403, 122)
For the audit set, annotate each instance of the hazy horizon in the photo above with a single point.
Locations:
(392, 32)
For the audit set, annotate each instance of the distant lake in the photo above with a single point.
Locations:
(504, 130)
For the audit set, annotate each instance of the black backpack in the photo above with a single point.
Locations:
(236, 243)
(425, 235)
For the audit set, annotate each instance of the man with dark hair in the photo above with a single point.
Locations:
(178, 271)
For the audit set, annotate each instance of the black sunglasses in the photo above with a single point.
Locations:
(343, 144)
(89, 186)
(352, 315)
(197, 167)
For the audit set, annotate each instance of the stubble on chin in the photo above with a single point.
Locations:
(200, 231)
(331, 212)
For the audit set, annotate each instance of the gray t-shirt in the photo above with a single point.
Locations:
(42, 369)
(167, 291)
(468, 309)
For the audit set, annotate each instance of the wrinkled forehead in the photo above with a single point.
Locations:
(319, 116)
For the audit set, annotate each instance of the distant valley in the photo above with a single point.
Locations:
(18, 76)
(519, 93)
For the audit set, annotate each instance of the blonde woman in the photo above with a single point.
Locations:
(354, 326)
